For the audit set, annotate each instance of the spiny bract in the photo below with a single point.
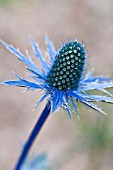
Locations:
(63, 78)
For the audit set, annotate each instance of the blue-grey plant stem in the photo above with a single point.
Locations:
(33, 135)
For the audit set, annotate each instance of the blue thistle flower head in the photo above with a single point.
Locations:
(63, 77)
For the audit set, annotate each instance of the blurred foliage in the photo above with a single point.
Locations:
(9, 2)
(96, 137)
(97, 134)
(5, 2)
(39, 162)
(93, 137)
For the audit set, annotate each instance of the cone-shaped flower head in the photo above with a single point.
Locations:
(68, 67)
(63, 78)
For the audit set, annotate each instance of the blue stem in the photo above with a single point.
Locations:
(33, 135)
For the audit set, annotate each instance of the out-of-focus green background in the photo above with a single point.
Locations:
(81, 145)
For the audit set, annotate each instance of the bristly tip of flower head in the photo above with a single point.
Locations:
(68, 66)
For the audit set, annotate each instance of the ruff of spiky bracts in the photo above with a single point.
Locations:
(61, 97)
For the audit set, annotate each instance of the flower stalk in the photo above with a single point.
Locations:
(33, 135)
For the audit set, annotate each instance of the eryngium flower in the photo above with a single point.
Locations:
(63, 77)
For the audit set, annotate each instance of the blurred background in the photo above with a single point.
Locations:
(86, 144)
